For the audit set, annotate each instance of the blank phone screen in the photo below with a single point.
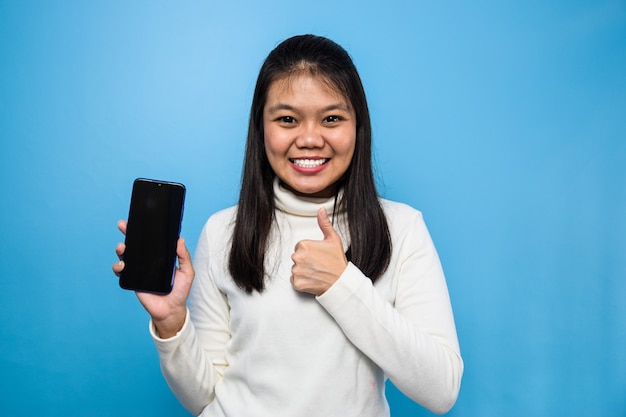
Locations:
(154, 220)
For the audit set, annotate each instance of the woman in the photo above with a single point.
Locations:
(312, 290)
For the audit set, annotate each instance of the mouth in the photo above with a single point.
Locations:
(309, 163)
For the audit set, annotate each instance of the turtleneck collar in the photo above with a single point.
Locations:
(286, 201)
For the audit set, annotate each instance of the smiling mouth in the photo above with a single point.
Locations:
(309, 163)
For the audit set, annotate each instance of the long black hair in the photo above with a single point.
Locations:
(370, 247)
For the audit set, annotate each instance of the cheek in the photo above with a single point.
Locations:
(274, 151)
(277, 144)
(346, 147)
(268, 142)
(271, 140)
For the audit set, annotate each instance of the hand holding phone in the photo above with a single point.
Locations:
(168, 311)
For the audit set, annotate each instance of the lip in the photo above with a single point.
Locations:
(310, 165)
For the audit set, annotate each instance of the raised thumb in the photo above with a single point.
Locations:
(325, 225)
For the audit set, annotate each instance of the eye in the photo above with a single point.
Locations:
(332, 119)
(286, 119)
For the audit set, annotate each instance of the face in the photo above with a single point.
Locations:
(310, 134)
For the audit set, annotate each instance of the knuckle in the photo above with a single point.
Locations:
(298, 257)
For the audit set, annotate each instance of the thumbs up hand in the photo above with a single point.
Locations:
(317, 264)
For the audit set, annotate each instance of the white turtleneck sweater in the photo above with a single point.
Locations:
(286, 353)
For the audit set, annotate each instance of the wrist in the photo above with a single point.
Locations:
(169, 326)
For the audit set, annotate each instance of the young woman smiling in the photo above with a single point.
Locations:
(313, 290)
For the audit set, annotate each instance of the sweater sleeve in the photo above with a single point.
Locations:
(194, 360)
(413, 340)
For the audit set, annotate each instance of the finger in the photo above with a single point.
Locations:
(325, 225)
(118, 267)
(122, 226)
(120, 249)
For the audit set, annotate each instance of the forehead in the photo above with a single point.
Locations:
(302, 86)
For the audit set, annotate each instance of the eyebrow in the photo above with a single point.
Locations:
(285, 106)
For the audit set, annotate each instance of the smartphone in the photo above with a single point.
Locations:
(154, 222)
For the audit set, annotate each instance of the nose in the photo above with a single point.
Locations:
(310, 136)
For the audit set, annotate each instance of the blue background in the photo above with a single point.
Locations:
(504, 123)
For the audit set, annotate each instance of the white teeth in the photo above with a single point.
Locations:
(309, 163)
